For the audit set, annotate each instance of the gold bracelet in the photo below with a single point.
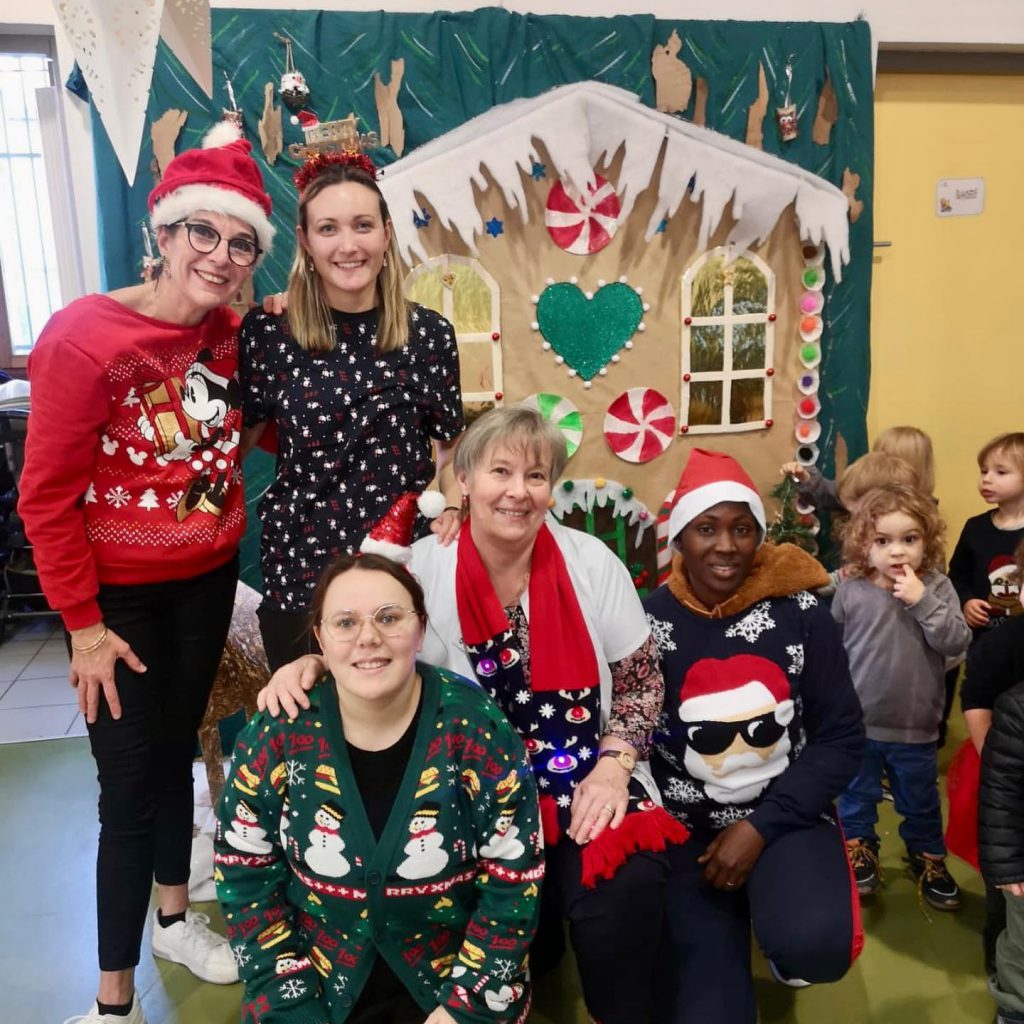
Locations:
(94, 646)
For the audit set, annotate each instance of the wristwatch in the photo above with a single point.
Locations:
(624, 757)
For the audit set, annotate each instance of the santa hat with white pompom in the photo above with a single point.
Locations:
(392, 536)
(222, 178)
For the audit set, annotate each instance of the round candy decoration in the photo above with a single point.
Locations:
(807, 382)
(639, 425)
(562, 413)
(582, 224)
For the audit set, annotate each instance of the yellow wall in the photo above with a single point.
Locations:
(947, 321)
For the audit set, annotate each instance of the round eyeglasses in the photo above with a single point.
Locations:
(389, 620)
(243, 252)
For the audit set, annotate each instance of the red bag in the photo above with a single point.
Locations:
(962, 783)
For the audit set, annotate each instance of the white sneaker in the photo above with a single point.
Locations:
(95, 1017)
(192, 943)
(783, 980)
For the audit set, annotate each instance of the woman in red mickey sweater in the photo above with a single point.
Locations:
(131, 495)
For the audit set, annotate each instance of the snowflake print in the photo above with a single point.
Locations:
(240, 955)
(542, 782)
(585, 753)
(805, 599)
(505, 970)
(339, 983)
(662, 632)
(564, 800)
(292, 988)
(131, 398)
(118, 496)
(547, 710)
(523, 697)
(726, 816)
(757, 621)
(796, 652)
(798, 747)
(296, 772)
(173, 498)
(683, 791)
(670, 757)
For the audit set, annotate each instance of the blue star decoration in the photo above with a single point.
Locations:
(660, 230)
(421, 219)
(494, 227)
(538, 171)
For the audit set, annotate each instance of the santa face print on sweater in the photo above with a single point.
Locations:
(1004, 587)
(424, 852)
(324, 853)
(735, 713)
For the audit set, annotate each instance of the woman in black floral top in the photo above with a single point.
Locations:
(361, 385)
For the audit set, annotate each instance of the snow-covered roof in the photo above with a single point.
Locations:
(581, 123)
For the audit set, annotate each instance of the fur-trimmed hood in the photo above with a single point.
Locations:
(778, 571)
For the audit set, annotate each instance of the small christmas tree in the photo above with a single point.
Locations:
(790, 526)
(149, 500)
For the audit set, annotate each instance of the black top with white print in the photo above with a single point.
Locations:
(354, 431)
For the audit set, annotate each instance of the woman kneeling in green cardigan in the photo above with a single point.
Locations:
(378, 857)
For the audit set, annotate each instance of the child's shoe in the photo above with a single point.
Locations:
(867, 872)
(934, 882)
(1009, 1017)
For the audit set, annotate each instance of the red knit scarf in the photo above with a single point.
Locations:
(561, 653)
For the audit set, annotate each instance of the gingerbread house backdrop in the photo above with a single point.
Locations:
(651, 279)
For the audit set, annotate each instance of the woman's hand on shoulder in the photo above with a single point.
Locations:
(600, 801)
(92, 672)
(276, 304)
(440, 1016)
(289, 685)
(731, 855)
(447, 525)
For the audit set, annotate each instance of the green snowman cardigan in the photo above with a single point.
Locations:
(449, 897)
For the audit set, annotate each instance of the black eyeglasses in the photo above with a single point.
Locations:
(715, 737)
(241, 251)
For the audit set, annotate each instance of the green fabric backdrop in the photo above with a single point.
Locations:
(459, 65)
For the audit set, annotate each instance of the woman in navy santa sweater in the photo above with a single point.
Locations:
(761, 731)
(132, 498)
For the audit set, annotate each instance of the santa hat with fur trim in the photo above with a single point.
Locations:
(720, 689)
(707, 479)
(392, 536)
(221, 177)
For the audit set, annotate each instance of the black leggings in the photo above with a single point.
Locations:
(144, 759)
(286, 636)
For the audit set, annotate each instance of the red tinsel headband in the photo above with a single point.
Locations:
(315, 165)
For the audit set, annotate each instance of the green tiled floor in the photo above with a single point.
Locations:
(911, 972)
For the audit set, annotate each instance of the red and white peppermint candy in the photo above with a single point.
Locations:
(582, 224)
(639, 424)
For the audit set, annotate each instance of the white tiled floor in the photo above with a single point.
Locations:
(36, 700)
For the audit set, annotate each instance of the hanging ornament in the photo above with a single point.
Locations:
(294, 90)
(232, 114)
(639, 425)
(786, 114)
(582, 224)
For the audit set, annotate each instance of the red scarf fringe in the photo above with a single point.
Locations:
(643, 830)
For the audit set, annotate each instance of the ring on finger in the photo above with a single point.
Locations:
(731, 885)
(610, 808)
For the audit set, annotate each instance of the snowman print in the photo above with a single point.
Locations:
(324, 854)
(504, 844)
(424, 855)
(245, 833)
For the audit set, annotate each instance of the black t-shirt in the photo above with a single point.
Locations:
(378, 775)
(354, 430)
(982, 566)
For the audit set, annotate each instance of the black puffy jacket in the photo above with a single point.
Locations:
(1001, 800)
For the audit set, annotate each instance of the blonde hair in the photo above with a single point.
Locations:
(871, 471)
(860, 530)
(1010, 445)
(309, 316)
(913, 446)
(511, 425)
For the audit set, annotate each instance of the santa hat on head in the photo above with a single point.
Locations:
(392, 536)
(707, 479)
(716, 689)
(221, 177)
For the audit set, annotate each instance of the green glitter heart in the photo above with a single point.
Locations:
(586, 333)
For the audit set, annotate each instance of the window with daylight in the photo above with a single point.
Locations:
(39, 261)
(461, 290)
(727, 342)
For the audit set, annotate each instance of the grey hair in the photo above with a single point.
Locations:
(514, 425)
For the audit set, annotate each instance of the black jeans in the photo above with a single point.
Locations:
(144, 758)
(286, 636)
